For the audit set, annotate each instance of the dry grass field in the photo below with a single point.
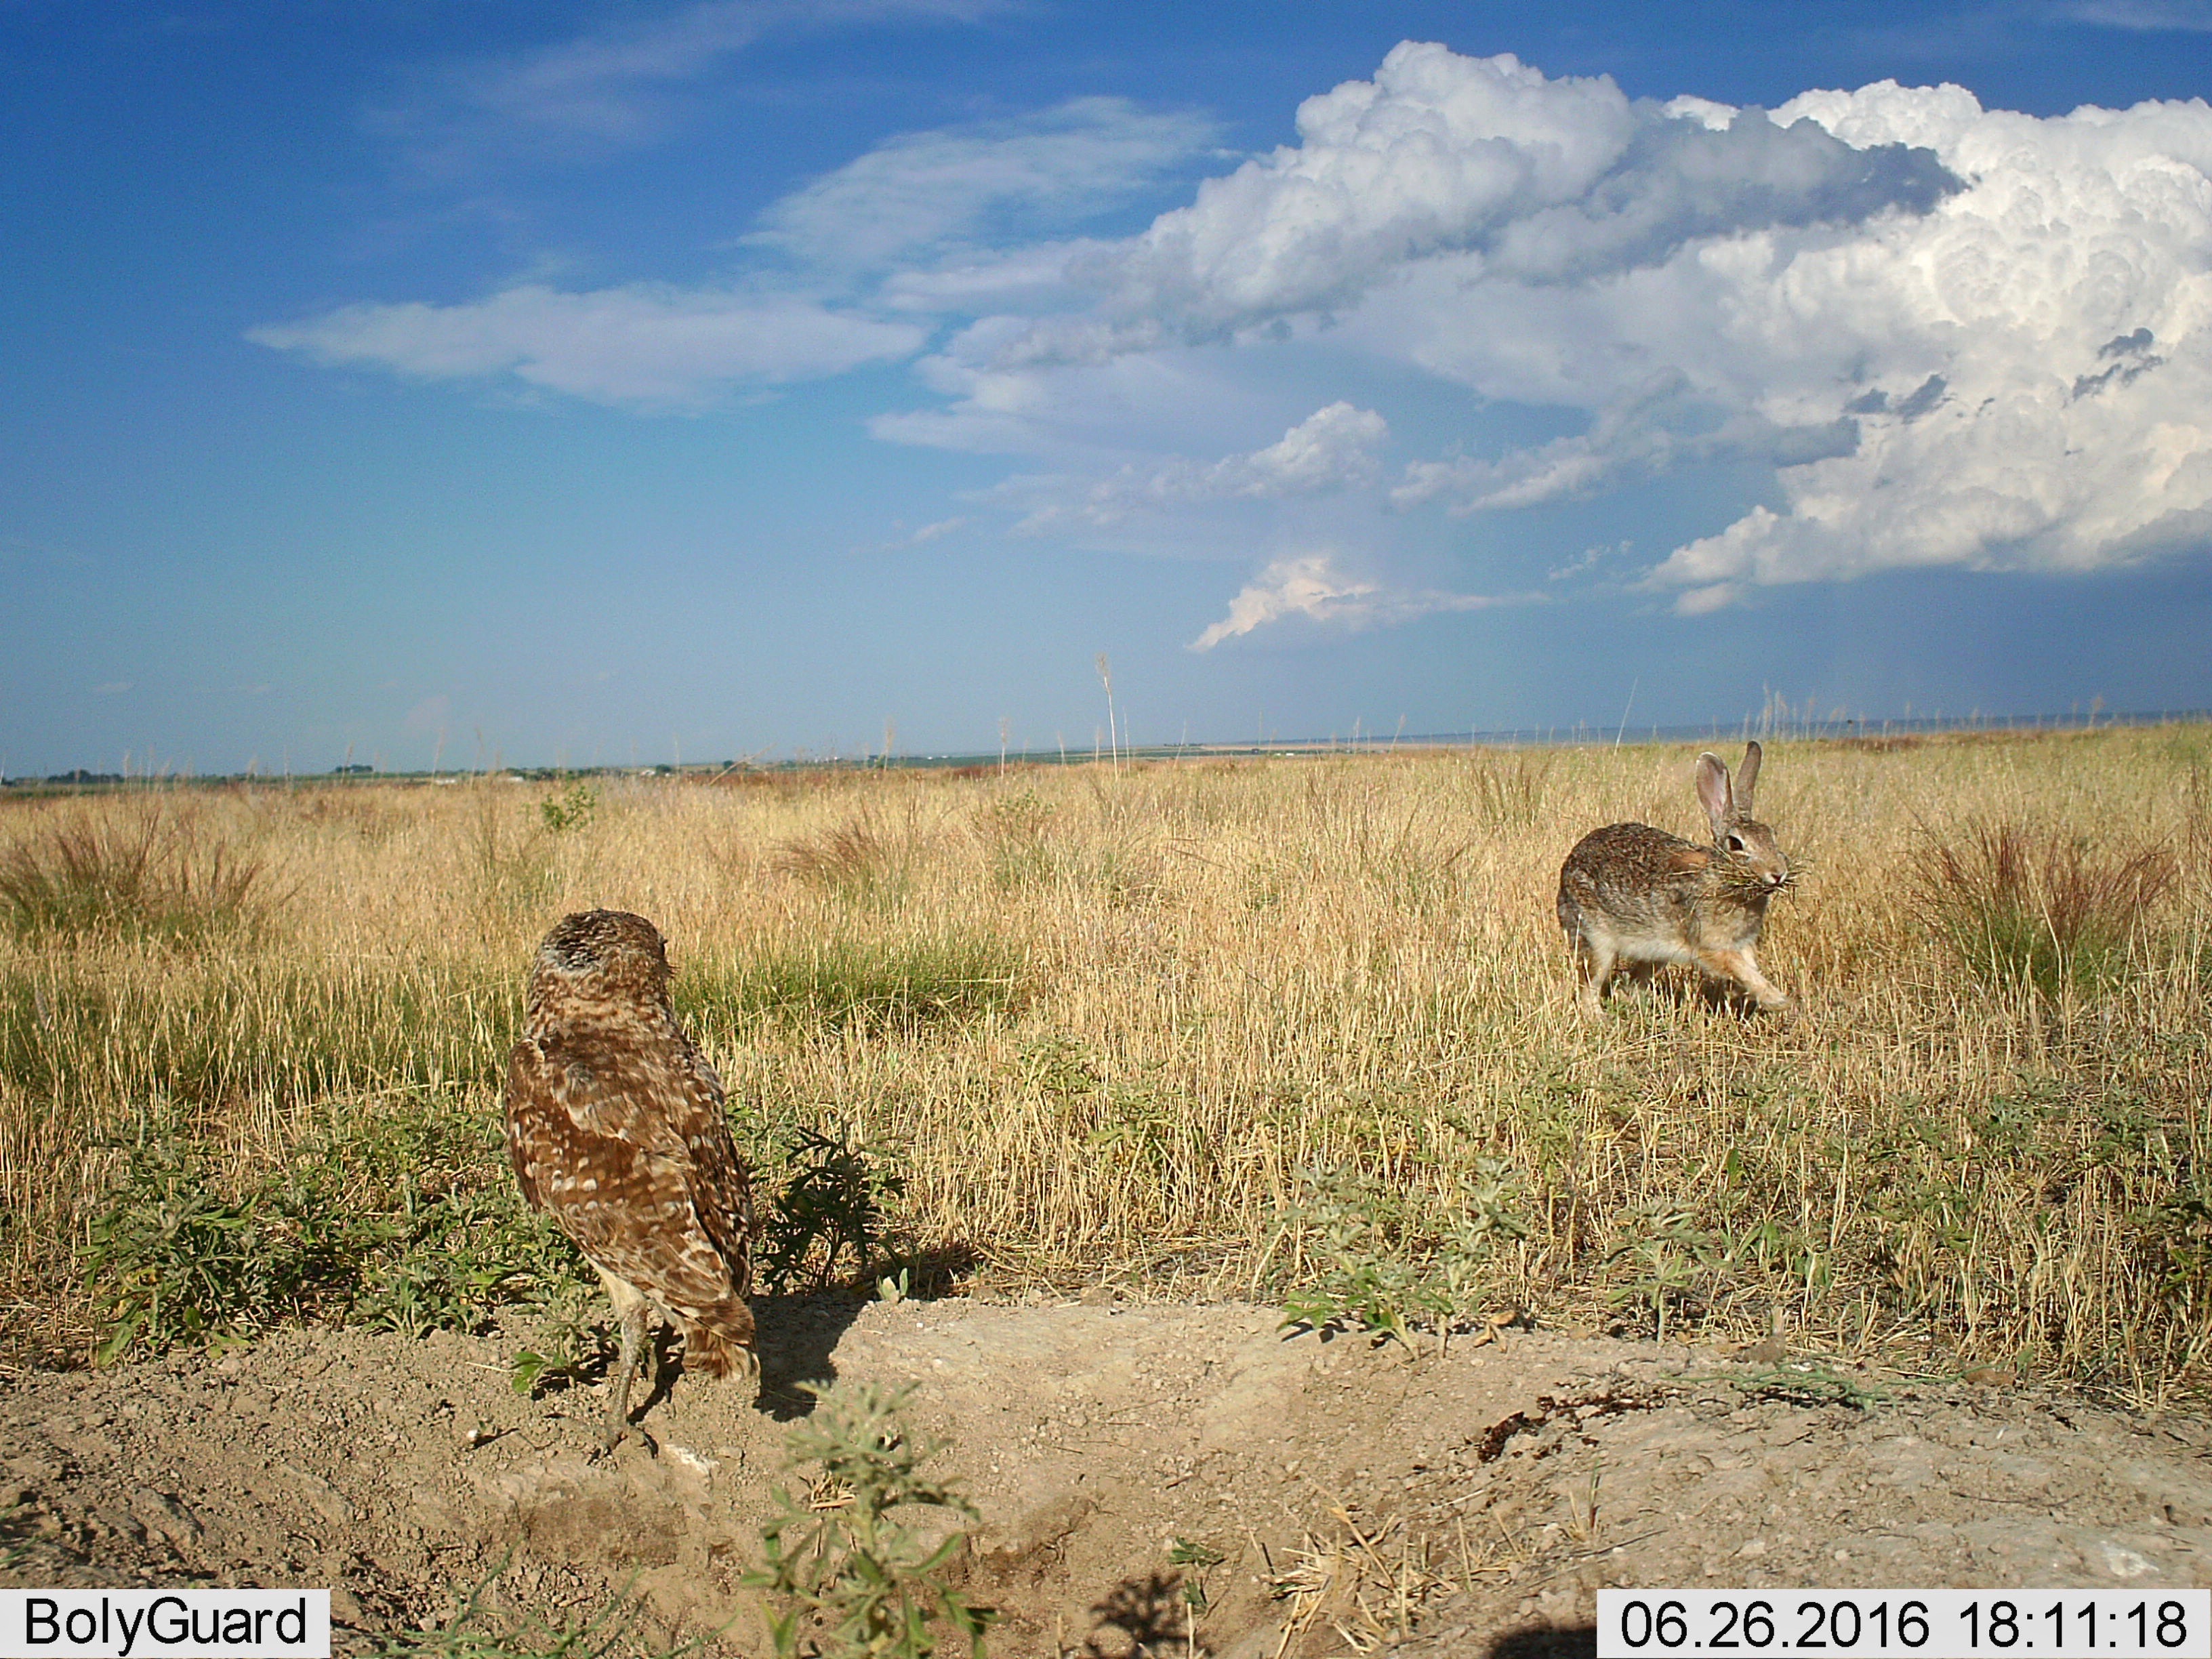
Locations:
(1293, 1029)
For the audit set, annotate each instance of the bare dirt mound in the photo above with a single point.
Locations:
(1163, 1480)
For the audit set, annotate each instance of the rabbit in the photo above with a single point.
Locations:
(1631, 893)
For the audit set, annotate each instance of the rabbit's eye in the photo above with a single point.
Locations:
(1735, 843)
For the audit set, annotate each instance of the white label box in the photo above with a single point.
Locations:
(165, 1623)
(1905, 1624)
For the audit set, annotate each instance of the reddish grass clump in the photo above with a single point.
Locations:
(2039, 906)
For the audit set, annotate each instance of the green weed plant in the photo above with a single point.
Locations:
(573, 808)
(859, 1565)
(408, 1221)
(832, 1206)
(1370, 1256)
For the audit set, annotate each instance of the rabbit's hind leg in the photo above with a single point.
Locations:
(1596, 957)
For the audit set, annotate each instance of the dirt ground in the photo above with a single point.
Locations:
(1470, 1501)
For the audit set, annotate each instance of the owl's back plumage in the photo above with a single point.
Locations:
(615, 1126)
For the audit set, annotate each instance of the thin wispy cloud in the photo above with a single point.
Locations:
(2142, 16)
(644, 346)
(1588, 560)
(907, 540)
(1333, 449)
(618, 85)
(991, 183)
(808, 298)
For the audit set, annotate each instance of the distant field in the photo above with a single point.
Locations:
(1110, 1023)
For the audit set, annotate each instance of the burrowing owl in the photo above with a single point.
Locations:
(614, 1120)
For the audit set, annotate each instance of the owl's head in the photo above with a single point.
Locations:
(610, 958)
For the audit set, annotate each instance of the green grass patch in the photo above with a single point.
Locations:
(69, 1035)
(875, 985)
(1366, 1254)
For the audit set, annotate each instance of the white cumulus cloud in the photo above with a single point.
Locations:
(1957, 336)
(2029, 365)
(1540, 178)
(1312, 585)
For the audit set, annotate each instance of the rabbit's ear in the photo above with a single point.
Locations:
(1747, 778)
(1713, 793)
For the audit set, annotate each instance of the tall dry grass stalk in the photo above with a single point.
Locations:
(1110, 1022)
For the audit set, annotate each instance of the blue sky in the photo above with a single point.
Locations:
(597, 382)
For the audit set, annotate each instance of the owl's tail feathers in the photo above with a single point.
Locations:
(714, 1353)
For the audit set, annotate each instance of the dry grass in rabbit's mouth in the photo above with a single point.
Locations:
(1736, 876)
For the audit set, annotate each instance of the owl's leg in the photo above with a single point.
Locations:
(631, 1310)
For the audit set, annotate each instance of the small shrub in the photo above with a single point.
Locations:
(173, 1262)
(2045, 910)
(1368, 1255)
(2179, 1235)
(1682, 1272)
(572, 809)
(575, 1343)
(1660, 1263)
(445, 1263)
(833, 1202)
(860, 1565)
(1057, 1064)
(142, 876)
